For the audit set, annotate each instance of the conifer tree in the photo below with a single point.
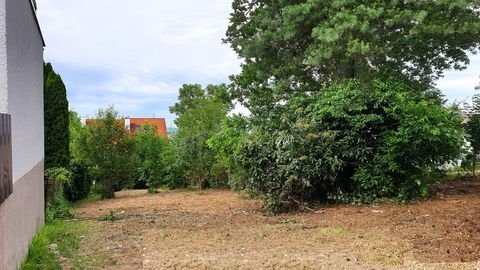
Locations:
(56, 120)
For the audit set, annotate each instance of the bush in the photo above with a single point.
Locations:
(56, 207)
(351, 142)
(80, 184)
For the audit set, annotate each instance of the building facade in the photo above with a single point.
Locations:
(134, 125)
(21, 101)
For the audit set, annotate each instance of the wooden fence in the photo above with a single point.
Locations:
(6, 179)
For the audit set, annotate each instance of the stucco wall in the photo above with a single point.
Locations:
(25, 86)
(21, 95)
(21, 215)
(3, 59)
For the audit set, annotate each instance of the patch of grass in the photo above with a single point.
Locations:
(56, 239)
(334, 231)
(323, 234)
(90, 199)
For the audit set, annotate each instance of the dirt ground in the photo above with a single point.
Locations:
(226, 230)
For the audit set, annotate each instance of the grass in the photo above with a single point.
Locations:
(55, 240)
(90, 199)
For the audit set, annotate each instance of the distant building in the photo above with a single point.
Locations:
(134, 125)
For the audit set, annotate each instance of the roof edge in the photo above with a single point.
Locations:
(33, 6)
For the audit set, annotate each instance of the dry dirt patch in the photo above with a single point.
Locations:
(224, 230)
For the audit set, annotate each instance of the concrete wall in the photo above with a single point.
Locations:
(21, 95)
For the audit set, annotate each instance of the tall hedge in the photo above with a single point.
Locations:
(56, 120)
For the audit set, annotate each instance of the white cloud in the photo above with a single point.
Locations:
(142, 34)
(148, 47)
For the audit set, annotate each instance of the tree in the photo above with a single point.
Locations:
(56, 120)
(81, 179)
(77, 131)
(226, 144)
(110, 151)
(155, 155)
(296, 47)
(199, 112)
(472, 128)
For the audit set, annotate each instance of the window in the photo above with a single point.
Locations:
(6, 181)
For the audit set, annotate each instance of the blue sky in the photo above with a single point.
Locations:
(136, 54)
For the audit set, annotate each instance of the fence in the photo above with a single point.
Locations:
(6, 179)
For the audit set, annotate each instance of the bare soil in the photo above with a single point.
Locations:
(220, 229)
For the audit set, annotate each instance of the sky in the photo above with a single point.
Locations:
(135, 55)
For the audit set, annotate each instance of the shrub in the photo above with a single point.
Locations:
(351, 142)
(56, 207)
(81, 182)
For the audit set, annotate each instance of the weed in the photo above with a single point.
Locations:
(57, 237)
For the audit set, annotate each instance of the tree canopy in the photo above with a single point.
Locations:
(110, 150)
(293, 47)
(200, 112)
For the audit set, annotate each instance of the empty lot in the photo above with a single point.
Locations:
(221, 229)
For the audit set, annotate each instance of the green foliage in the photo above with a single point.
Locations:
(110, 151)
(351, 141)
(472, 130)
(58, 236)
(156, 156)
(293, 47)
(56, 120)
(80, 184)
(199, 114)
(56, 207)
(77, 132)
(226, 145)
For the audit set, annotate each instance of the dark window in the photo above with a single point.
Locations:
(6, 181)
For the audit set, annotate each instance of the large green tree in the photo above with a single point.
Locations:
(199, 114)
(293, 47)
(110, 150)
(156, 157)
(56, 119)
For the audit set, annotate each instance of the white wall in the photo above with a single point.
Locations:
(3, 59)
(25, 86)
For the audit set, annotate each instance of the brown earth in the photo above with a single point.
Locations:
(225, 230)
